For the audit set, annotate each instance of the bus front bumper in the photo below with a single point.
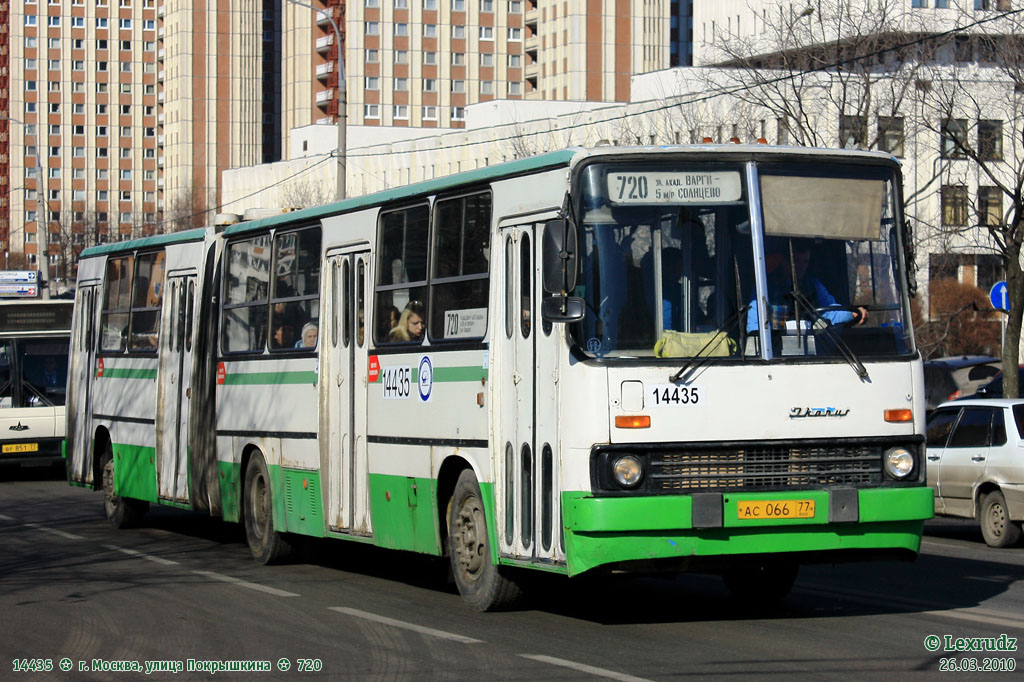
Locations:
(689, 532)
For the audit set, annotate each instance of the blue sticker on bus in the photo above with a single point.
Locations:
(426, 378)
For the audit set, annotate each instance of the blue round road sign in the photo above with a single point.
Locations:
(999, 297)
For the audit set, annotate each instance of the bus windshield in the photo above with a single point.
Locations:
(668, 264)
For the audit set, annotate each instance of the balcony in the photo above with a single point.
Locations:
(324, 70)
(160, 54)
(160, 76)
(324, 43)
(160, 97)
(324, 96)
(160, 11)
(160, 140)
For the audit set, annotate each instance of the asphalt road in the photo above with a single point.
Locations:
(184, 588)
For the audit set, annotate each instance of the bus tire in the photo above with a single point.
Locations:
(481, 582)
(761, 584)
(267, 545)
(121, 512)
(996, 526)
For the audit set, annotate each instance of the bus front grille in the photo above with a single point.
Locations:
(766, 467)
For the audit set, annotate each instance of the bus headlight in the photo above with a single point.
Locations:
(899, 462)
(628, 471)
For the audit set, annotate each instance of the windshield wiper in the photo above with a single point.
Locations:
(718, 337)
(822, 324)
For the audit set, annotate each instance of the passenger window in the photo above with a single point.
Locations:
(147, 298)
(460, 267)
(525, 279)
(246, 287)
(940, 425)
(973, 428)
(998, 428)
(402, 276)
(295, 291)
(116, 304)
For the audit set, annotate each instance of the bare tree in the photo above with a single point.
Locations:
(973, 105)
(303, 193)
(186, 208)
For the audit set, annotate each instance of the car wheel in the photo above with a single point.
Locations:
(996, 526)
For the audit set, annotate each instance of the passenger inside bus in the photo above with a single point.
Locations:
(284, 336)
(307, 339)
(410, 324)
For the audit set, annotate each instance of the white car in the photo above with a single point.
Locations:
(976, 465)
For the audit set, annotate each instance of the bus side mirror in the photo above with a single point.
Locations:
(560, 262)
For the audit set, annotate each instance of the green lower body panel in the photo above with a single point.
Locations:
(404, 513)
(603, 531)
(303, 505)
(230, 475)
(135, 472)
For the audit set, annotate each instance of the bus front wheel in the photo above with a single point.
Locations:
(761, 584)
(122, 512)
(480, 581)
(267, 545)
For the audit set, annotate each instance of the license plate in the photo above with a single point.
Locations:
(21, 447)
(760, 510)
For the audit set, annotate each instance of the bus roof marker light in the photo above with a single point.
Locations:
(641, 421)
(901, 415)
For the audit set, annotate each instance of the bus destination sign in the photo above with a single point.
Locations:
(689, 187)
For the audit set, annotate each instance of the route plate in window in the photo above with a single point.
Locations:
(761, 510)
(21, 447)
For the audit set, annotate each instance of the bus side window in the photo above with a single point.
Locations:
(402, 275)
(460, 267)
(116, 304)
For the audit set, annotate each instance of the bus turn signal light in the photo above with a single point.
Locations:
(635, 422)
(899, 415)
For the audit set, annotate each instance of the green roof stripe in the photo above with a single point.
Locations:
(495, 172)
(193, 235)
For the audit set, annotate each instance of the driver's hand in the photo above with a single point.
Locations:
(862, 315)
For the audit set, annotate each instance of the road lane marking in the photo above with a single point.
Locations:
(55, 531)
(4, 517)
(582, 667)
(974, 613)
(142, 555)
(245, 583)
(405, 626)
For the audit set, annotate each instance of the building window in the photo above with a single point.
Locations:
(401, 29)
(890, 135)
(515, 61)
(458, 86)
(401, 84)
(126, 195)
(429, 85)
(30, 20)
(458, 113)
(429, 30)
(990, 206)
(515, 88)
(515, 7)
(954, 139)
(77, 22)
(429, 113)
(125, 24)
(486, 59)
(53, 21)
(486, 33)
(458, 32)
(401, 112)
(125, 174)
(515, 34)
(401, 56)
(853, 132)
(372, 3)
(458, 5)
(126, 131)
(990, 140)
(401, 4)
(430, 58)
(919, 3)
(487, 6)
(430, 4)
(954, 205)
(102, 195)
(458, 58)
(486, 87)
(371, 56)
(372, 83)
(371, 111)
(101, 131)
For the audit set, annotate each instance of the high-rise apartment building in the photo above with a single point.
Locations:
(120, 115)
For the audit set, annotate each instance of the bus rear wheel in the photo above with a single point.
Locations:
(267, 545)
(121, 512)
(482, 584)
(761, 584)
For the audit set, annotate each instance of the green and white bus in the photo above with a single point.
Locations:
(554, 363)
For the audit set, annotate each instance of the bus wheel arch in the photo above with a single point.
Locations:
(257, 509)
(121, 512)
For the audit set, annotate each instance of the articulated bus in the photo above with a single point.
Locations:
(33, 375)
(581, 361)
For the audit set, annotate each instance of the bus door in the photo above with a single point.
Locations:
(175, 390)
(82, 374)
(344, 381)
(525, 491)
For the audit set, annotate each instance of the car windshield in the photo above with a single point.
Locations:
(668, 261)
